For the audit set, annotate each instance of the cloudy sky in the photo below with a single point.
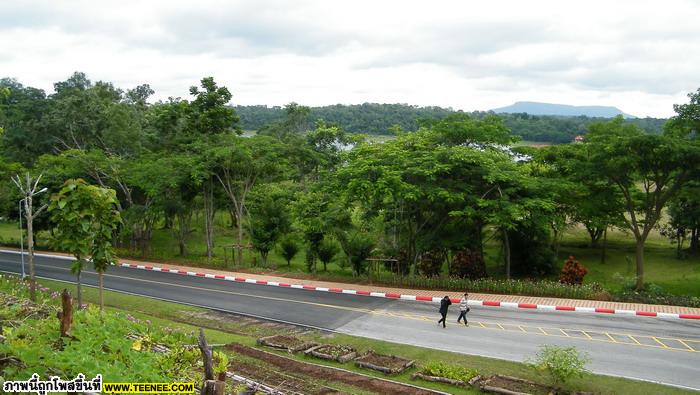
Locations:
(641, 56)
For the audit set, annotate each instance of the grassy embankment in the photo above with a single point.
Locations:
(675, 276)
(222, 331)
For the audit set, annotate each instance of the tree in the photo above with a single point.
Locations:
(269, 220)
(85, 219)
(29, 189)
(240, 163)
(327, 250)
(288, 249)
(648, 171)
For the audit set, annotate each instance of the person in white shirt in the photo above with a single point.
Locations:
(463, 309)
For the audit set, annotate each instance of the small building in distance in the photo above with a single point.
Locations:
(578, 139)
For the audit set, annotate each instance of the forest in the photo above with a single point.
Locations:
(387, 119)
(431, 201)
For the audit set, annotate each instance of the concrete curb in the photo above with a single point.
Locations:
(418, 298)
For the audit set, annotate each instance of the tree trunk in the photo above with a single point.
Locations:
(694, 241)
(239, 224)
(101, 280)
(209, 212)
(30, 247)
(80, 290)
(506, 251)
(206, 356)
(605, 246)
(66, 315)
(639, 256)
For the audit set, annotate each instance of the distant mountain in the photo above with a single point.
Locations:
(534, 108)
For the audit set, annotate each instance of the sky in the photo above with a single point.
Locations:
(640, 56)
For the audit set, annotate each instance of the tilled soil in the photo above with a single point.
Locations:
(364, 382)
(284, 382)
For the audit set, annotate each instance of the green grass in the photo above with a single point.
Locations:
(226, 331)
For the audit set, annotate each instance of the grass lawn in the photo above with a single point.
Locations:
(240, 330)
(676, 276)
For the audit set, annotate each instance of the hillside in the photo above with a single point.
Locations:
(377, 119)
(535, 108)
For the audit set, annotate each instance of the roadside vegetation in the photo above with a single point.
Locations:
(454, 204)
(135, 325)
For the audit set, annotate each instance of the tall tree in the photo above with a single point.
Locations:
(85, 218)
(241, 163)
(648, 170)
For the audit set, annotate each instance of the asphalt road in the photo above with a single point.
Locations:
(665, 351)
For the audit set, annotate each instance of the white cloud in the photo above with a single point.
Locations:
(638, 56)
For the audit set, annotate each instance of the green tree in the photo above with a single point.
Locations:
(327, 250)
(648, 170)
(240, 164)
(288, 248)
(85, 219)
(268, 220)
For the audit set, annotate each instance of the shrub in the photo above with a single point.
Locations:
(430, 263)
(573, 272)
(561, 363)
(358, 248)
(454, 372)
(288, 249)
(469, 264)
(531, 255)
(327, 251)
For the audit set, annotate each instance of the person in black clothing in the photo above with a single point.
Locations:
(444, 304)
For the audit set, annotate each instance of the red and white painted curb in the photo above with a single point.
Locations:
(419, 298)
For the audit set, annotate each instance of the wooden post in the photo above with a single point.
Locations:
(210, 386)
(66, 316)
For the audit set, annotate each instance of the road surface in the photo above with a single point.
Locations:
(660, 350)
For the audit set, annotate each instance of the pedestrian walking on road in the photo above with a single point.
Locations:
(444, 304)
(463, 309)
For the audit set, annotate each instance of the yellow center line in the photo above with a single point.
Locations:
(408, 316)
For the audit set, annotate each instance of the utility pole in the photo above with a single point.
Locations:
(29, 190)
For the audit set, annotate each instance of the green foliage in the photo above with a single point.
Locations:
(454, 372)
(288, 248)
(269, 220)
(220, 363)
(383, 119)
(99, 344)
(561, 363)
(327, 250)
(359, 246)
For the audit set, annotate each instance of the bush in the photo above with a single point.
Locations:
(454, 372)
(469, 264)
(592, 291)
(327, 251)
(288, 249)
(430, 263)
(358, 248)
(561, 363)
(573, 272)
(531, 255)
